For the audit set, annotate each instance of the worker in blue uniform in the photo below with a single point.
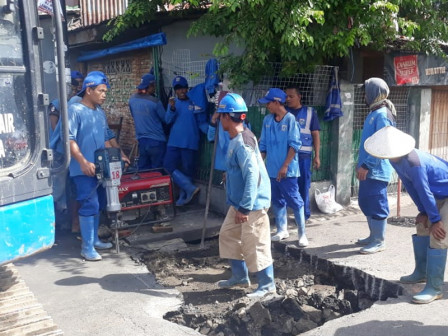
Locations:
(111, 136)
(373, 173)
(77, 77)
(60, 192)
(62, 189)
(187, 121)
(308, 121)
(149, 117)
(425, 178)
(87, 133)
(54, 112)
(58, 180)
(279, 144)
(76, 82)
(244, 237)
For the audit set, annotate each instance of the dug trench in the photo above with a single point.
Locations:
(310, 292)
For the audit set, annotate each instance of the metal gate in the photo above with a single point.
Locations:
(438, 136)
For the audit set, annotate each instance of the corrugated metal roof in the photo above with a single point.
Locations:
(96, 11)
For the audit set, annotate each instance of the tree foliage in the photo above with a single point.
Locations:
(140, 12)
(302, 33)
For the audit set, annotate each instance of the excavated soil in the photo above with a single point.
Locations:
(305, 298)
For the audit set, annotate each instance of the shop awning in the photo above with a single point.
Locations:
(144, 42)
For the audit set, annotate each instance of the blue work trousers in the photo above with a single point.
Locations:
(90, 195)
(151, 153)
(304, 182)
(286, 192)
(372, 198)
(180, 158)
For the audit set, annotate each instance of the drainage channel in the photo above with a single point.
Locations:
(20, 313)
(310, 292)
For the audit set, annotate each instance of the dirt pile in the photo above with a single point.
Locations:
(305, 299)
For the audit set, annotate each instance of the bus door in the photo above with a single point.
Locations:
(27, 223)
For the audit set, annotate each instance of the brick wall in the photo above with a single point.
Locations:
(124, 72)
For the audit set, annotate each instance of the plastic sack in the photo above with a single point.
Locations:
(326, 200)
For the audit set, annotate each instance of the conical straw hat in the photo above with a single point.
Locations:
(388, 143)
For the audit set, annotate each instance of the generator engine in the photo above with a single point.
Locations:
(133, 199)
(146, 197)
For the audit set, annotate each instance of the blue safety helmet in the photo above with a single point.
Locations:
(234, 105)
(179, 82)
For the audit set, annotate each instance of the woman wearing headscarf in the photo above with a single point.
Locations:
(373, 173)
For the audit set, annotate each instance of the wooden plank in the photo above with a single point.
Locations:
(20, 313)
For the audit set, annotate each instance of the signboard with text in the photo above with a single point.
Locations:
(406, 70)
(415, 70)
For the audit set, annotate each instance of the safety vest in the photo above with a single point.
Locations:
(305, 133)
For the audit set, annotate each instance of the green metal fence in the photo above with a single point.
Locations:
(255, 116)
(313, 87)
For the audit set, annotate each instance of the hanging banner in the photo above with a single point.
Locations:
(45, 6)
(406, 70)
(415, 70)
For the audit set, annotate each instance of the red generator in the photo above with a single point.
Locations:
(146, 197)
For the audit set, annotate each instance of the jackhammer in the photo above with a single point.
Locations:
(108, 170)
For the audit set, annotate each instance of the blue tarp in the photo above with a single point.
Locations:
(144, 42)
(333, 106)
(197, 95)
(211, 75)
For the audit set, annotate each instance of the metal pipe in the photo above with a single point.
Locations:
(156, 62)
(209, 186)
(61, 83)
(399, 198)
(116, 233)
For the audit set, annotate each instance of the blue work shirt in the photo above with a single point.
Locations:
(425, 177)
(276, 139)
(187, 120)
(56, 134)
(301, 118)
(74, 99)
(148, 114)
(223, 144)
(379, 169)
(77, 99)
(247, 183)
(88, 128)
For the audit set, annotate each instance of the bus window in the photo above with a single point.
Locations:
(15, 111)
(10, 40)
